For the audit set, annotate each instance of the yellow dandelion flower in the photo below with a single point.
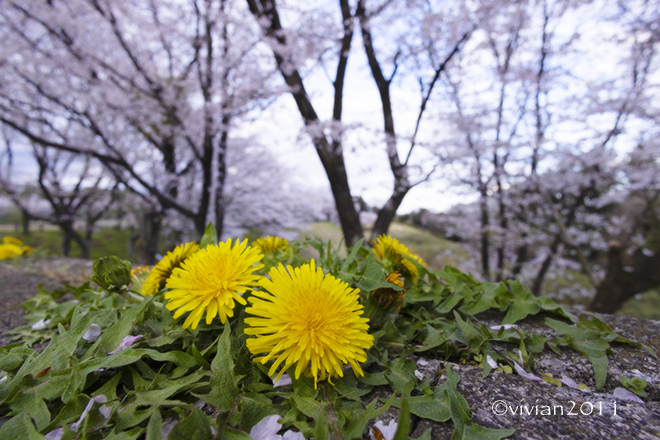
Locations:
(9, 250)
(211, 280)
(308, 319)
(140, 270)
(271, 244)
(12, 240)
(389, 248)
(163, 269)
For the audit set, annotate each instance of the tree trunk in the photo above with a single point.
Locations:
(149, 236)
(66, 241)
(26, 218)
(545, 266)
(330, 153)
(521, 257)
(485, 238)
(133, 239)
(85, 246)
(387, 212)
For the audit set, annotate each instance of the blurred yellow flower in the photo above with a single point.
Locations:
(12, 247)
(9, 251)
(308, 319)
(140, 270)
(211, 280)
(12, 240)
(163, 269)
(389, 250)
(271, 244)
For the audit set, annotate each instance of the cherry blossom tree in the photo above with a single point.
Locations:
(150, 90)
(549, 146)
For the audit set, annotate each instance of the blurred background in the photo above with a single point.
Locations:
(511, 139)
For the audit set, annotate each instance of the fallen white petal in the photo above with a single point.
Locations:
(127, 342)
(422, 362)
(168, 424)
(55, 434)
(40, 325)
(505, 326)
(419, 375)
(568, 381)
(491, 361)
(526, 375)
(92, 333)
(267, 428)
(624, 394)
(290, 435)
(283, 381)
(90, 404)
(105, 411)
(387, 431)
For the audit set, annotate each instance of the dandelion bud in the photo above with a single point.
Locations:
(111, 273)
(381, 302)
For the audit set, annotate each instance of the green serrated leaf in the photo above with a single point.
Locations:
(401, 376)
(429, 406)
(403, 430)
(492, 296)
(20, 427)
(356, 428)
(472, 336)
(223, 381)
(194, 427)
(234, 434)
(155, 427)
(373, 277)
(588, 342)
(210, 237)
(254, 407)
(523, 303)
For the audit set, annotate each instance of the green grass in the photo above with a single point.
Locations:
(436, 251)
(644, 305)
(108, 241)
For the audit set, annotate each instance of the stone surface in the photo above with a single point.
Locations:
(573, 414)
(17, 285)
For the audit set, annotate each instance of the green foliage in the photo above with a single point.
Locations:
(634, 384)
(144, 374)
(590, 338)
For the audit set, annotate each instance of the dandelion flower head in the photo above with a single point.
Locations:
(309, 319)
(140, 270)
(163, 269)
(12, 240)
(13, 247)
(212, 280)
(389, 248)
(272, 244)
